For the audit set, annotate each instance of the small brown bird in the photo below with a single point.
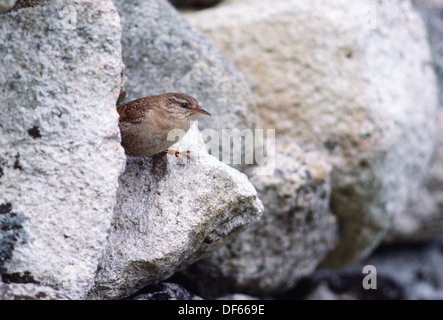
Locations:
(145, 123)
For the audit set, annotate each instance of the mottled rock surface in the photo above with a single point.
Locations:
(164, 53)
(432, 12)
(170, 214)
(5, 5)
(29, 291)
(423, 217)
(294, 234)
(353, 78)
(60, 155)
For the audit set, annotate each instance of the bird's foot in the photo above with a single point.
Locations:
(177, 154)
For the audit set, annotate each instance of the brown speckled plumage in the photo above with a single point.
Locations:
(146, 122)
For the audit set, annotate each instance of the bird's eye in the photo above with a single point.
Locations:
(184, 104)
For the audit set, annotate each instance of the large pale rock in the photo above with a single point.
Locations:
(164, 53)
(170, 214)
(60, 155)
(294, 234)
(423, 217)
(29, 291)
(19, 4)
(353, 77)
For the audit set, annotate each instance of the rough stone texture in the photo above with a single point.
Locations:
(354, 78)
(60, 155)
(170, 214)
(5, 5)
(29, 291)
(292, 237)
(423, 217)
(165, 291)
(164, 53)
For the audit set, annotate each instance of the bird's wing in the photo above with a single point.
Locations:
(133, 111)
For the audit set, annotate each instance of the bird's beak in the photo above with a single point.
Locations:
(200, 110)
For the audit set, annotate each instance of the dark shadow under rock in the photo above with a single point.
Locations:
(164, 291)
(198, 4)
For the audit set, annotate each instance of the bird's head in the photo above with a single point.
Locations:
(183, 104)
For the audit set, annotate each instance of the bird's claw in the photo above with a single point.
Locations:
(177, 154)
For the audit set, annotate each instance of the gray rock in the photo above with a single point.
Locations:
(166, 291)
(432, 11)
(169, 214)
(5, 5)
(354, 78)
(60, 155)
(436, 5)
(164, 53)
(29, 291)
(423, 217)
(294, 234)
